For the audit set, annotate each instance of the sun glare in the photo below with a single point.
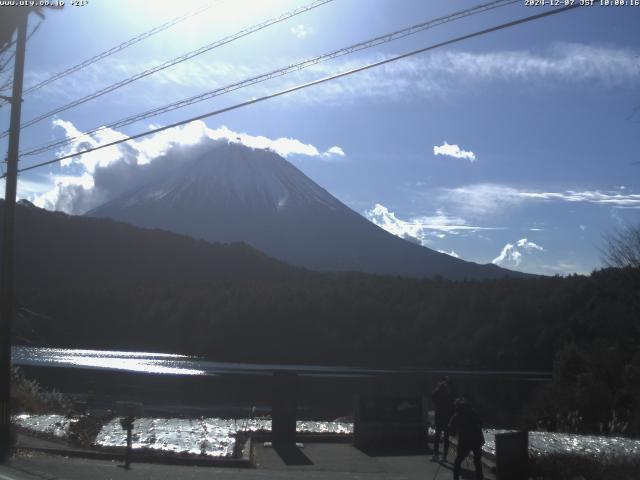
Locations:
(215, 16)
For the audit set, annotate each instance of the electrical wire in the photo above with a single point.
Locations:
(117, 48)
(172, 62)
(389, 37)
(5, 59)
(7, 46)
(6, 85)
(7, 79)
(4, 64)
(502, 26)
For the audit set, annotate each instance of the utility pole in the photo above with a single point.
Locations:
(8, 237)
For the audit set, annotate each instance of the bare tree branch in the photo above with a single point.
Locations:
(623, 248)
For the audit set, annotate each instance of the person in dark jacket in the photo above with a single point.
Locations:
(443, 402)
(467, 425)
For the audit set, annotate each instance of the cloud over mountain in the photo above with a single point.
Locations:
(511, 255)
(104, 174)
(233, 193)
(419, 228)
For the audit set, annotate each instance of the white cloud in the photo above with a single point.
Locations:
(583, 227)
(435, 74)
(452, 253)
(100, 175)
(511, 255)
(388, 221)
(454, 151)
(334, 151)
(446, 72)
(480, 199)
(508, 253)
(566, 62)
(528, 245)
(418, 229)
(299, 31)
(190, 134)
(70, 193)
(100, 158)
(28, 188)
(613, 198)
(487, 198)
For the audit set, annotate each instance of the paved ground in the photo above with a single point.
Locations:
(316, 461)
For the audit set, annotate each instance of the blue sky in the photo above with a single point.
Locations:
(518, 147)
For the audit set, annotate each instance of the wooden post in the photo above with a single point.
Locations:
(284, 408)
(8, 238)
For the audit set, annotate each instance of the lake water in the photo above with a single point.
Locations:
(209, 436)
(162, 363)
(216, 436)
(171, 364)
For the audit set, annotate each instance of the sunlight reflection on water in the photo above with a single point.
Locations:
(543, 444)
(204, 436)
(130, 364)
(164, 363)
(143, 362)
(55, 425)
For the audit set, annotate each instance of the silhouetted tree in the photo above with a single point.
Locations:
(623, 248)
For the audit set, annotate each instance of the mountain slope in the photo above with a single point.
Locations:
(235, 193)
(59, 251)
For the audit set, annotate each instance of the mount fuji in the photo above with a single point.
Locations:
(234, 193)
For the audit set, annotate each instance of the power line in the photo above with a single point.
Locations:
(6, 62)
(278, 73)
(8, 80)
(175, 61)
(10, 57)
(309, 84)
(7, 46)
(117, 48)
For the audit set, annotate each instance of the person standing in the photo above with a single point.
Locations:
(466, 423)
(443, 402)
